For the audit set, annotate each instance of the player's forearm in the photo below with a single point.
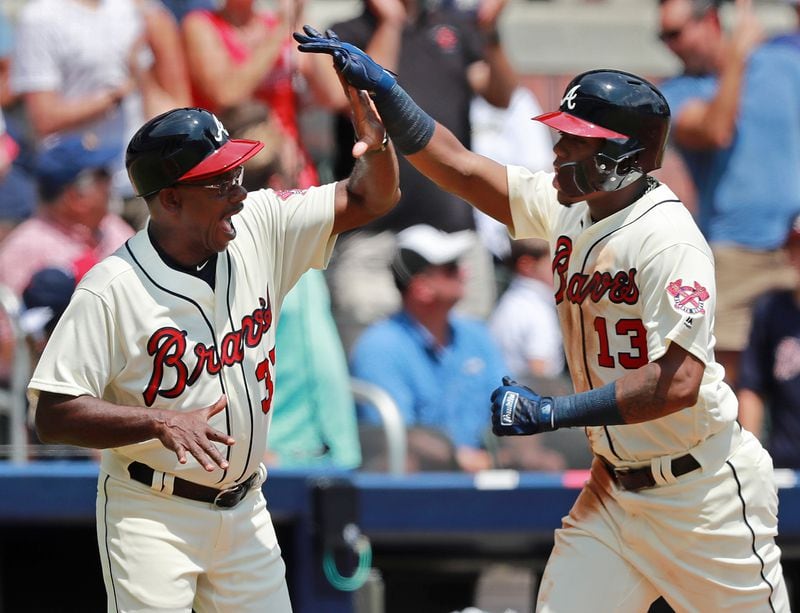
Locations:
(655, 390)
(90, 422)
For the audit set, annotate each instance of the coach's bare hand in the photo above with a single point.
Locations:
(190, 432)
(369, 130)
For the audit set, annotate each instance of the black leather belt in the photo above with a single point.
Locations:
(634, 479)
(225, 499)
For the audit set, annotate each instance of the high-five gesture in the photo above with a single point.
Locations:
(358, 69)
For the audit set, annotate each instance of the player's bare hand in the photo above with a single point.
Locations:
(189, 433)
(370, 133)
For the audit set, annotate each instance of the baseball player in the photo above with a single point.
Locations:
(165, 359)
(681, 502)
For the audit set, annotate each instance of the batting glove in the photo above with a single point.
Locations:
(518, 410)
(357, 68)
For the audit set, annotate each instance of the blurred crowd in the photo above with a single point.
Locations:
(433, 303)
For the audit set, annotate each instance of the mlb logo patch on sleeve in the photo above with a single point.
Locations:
(689, 298)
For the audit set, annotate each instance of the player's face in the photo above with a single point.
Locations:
(570, 149)
(208, 208)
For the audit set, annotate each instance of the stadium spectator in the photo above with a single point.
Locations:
(525, 322)
(238, 54)
(437, 366)
(17, 190)
(444, 56)
(735, 124)
(72, 227)
(17, 194)
(92, 67)
(769, 377)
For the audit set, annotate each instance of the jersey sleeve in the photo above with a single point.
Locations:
(295, 226)
(533, 202)
(94, 357)
(679, 296)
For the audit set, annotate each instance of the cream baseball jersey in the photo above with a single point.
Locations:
(140, 333)
(625, 287)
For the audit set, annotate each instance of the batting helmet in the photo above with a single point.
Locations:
(627, 111)
(183, 144)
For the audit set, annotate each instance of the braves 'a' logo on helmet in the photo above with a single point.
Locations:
(568, 100)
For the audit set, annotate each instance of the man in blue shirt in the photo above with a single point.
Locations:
(735, 122)
(440, 368)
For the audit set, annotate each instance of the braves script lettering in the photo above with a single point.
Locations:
(620, 287)
(168, 348)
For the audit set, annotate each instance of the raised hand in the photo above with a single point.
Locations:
(357, 68)
(747, 31)
(370, 133)
(518, 410)
(190, 432)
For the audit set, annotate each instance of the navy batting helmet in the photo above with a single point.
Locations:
(627, 111)
(181, 145)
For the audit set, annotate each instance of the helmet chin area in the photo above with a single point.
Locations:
(610, 169)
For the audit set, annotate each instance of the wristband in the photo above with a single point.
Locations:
(407, 124)
(597, 407)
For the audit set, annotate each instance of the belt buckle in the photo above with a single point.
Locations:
(230, 497)
(620, 471)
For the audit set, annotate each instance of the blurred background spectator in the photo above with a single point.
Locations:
(769, 377)
(17, 190)
(72, 227)
(735, 123)
(101, 68)
(443, 56)
(525, 322)
(437, 366)
(239, 54)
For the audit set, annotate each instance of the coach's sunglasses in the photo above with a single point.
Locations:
(224, 186)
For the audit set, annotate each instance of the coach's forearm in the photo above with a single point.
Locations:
(374, 183)
(85, 421)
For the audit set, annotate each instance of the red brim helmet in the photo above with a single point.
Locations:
(180, 145)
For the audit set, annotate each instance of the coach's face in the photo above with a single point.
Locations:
(571, 151)
(207, 208)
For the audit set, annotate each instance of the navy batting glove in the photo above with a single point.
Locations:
(518, 410)
(357, 68)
